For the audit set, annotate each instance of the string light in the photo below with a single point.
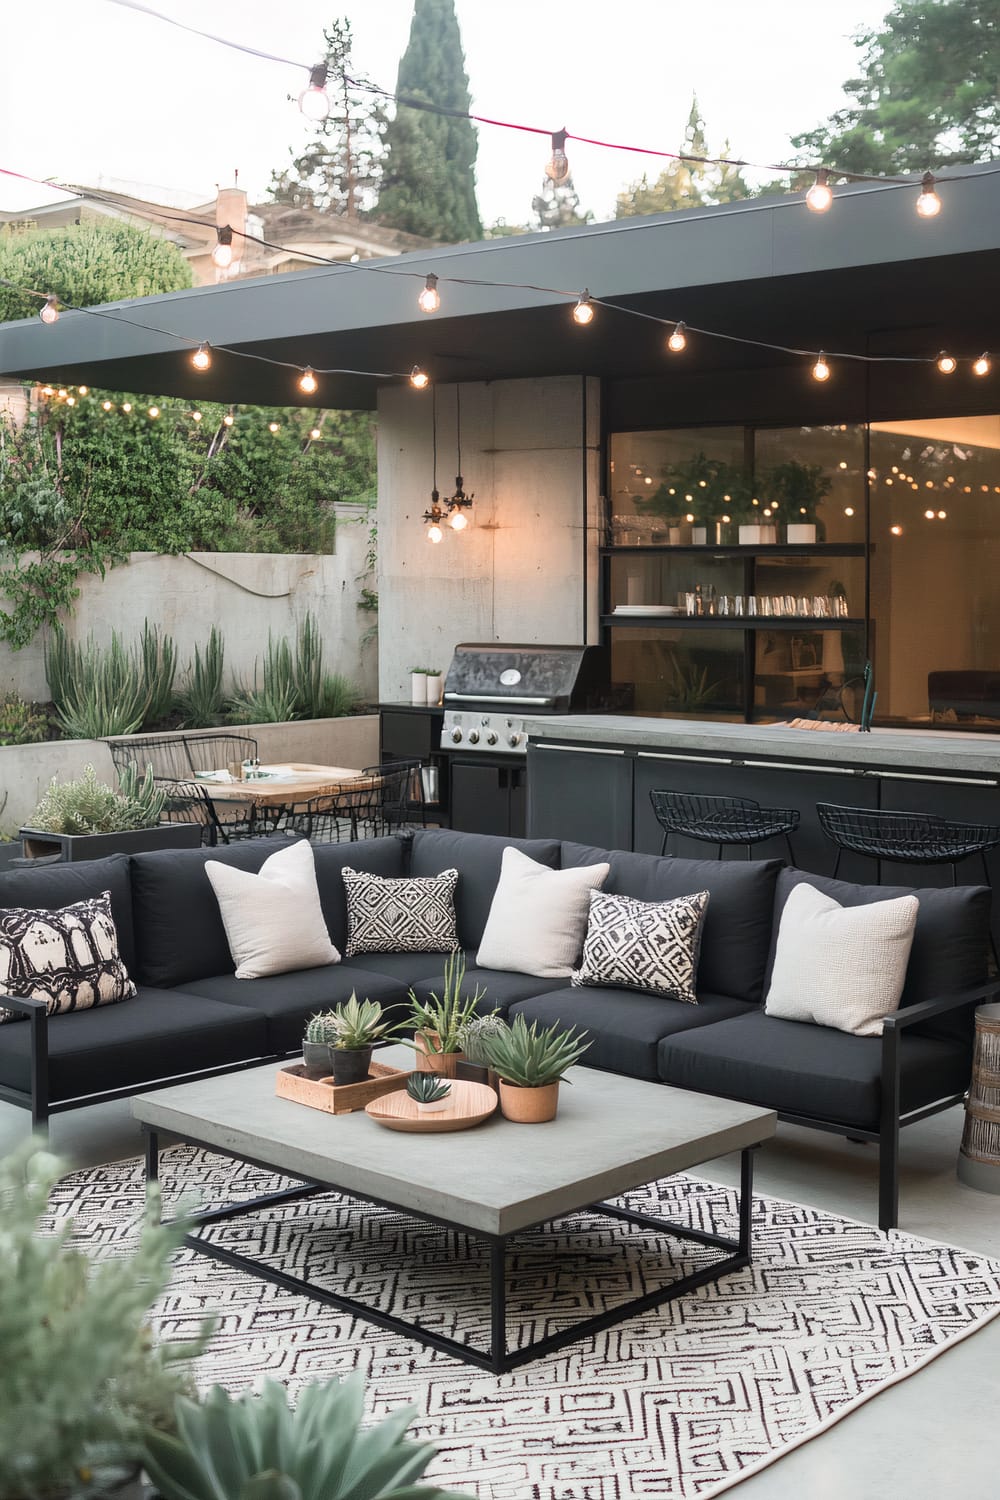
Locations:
(70, 400)
(557, 166)
(928, 203)
(314, 101)
(154, 412)
(273, 427)
(201, 358)
(228, 419)
(896, 530)
(820, 195)
(942, 515)
(928, 515)
(308, 382)
(459, 521)
(946, 363)
(48, 391)
(821, 370)
(434, 533)
(583, 312)
(49, 312)
(196, 416)
(848, 510)
(677, 342)
(430, 298)
(126, 407)
(419, 378)
(315, 433)
(105, 405)
(981, 366)
(84, 390)
(222, 254)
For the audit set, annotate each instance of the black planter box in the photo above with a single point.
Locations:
(73, 847)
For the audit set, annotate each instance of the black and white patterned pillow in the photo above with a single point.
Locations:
(393, 915)
(644, 945)
(67, 957)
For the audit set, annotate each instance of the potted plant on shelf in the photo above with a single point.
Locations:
(434, 679)
(708, 494)
(357, 1026)
(440, 1020)
(530, 1064)
(429, 1092)
(796, 489)
(86, 819)
(418, 686)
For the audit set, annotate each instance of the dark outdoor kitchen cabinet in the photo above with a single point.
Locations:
(488, 797)
(580, 792)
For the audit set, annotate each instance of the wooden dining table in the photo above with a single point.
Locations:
(280, 785)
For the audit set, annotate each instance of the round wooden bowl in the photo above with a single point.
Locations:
(469, 1104)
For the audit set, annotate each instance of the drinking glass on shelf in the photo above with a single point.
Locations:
(819, 606)
(689, 603)
(724, 605)
(764, 604)
(752, 605)
(739, 604)
(803, 606)
(840, 606)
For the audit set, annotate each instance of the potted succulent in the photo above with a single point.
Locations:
(429, 1092)
(434, 680)
(530, 1064)
(357, 1026)
(320, 1035)
(439, 1022)
(82, 1381)
(418, 686)
(86, 819)
(253, 1447)
(474, 1040)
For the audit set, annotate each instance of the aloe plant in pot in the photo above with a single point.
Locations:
(439, 1021)
(530, 1064)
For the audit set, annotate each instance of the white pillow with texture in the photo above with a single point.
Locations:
(538, 918)
(273, 920)
(840, 966)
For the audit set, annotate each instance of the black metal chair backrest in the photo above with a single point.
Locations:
(189, 802)
(166, 753)
(214, 752)
(401, 798)
(902, 836)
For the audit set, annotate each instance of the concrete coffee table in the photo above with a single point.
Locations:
(612, 1134)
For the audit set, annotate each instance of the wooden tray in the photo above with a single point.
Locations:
(337, 1098)
(470, 1104)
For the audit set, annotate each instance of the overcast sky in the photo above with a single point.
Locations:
(95, 94)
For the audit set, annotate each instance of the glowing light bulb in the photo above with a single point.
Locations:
(820, 195)
(272, 427)
(928, 515)
(981, 366)
(942, 515)
(105, 405)
(154, 412)
(583, 312)
(314, 101)
(896, 530)
(848, 510)
(677, 340)
(201, 358)
(647, 480)
(49, 311)
(196, 416)
(222, 253)
(84, 390)
(70, 400)
(689, 517)
(946, 363)
(557, 166)
(315, 433)
(419, 378)
(842, 464)
(308, 382)
(63, 394)
(821, 370)
(126, 406)
(228, 419)
(434, 533)
(430, 298)
(928, 203)
(459, 521)
(48, 390)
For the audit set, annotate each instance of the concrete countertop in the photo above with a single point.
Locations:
(943, 751)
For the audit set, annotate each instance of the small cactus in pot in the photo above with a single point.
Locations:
(320, 1036)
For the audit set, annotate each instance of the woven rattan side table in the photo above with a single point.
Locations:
(979, 1156)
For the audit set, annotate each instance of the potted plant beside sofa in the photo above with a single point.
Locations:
(87, 819)
(357, 1025)
(439, 1022)
(530, 1065)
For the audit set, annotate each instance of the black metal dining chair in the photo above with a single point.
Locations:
(401, 799)
(722, 821)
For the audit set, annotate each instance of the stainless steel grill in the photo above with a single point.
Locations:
(491, 688)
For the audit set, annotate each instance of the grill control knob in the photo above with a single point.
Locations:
(473, 736)
(492, 737)
(513, 740)
(456, 735)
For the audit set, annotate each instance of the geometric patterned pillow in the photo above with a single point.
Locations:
(68, 957)
(644, 945)
(400, 915)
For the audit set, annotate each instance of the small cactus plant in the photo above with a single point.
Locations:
(476, 1035)
(321, 1029)
(427, 1088)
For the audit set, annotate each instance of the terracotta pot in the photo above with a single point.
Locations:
(444, 1063)
(316, 1057)
(529, 1106)
(350, 1065)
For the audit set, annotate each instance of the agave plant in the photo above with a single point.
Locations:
(357, 1023)
(523, 1055)
(202, 699)
(442, 1018)
(427, 1088)
(257, 1448)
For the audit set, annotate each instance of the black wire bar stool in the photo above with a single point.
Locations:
(722, 820)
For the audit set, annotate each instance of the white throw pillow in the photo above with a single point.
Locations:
(273, 920)
(840, 966)
(538, 918)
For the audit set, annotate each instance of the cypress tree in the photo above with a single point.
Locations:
(429, 182)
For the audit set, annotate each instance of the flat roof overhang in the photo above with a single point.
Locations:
(867, 277)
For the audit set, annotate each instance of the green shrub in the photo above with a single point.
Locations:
(157, 657)
(294, 684)
(91, 806)
(96, 692)
(202, 700)
(21, 723)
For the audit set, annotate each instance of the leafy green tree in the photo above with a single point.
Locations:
(97, 261)
(429, 181)
(339, 170)
(684, 183)
(928, 94)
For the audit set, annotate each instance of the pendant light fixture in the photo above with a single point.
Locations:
(459, 502)
(436, 514)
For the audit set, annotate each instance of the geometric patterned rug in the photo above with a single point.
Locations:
(683, 1402)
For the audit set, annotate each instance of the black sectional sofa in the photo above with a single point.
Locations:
(192, 1017)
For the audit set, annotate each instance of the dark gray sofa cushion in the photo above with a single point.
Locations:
(158, 1034)
(626, 1027)
(950, 944)
(286, 1001)
(405, 968)
(808, 1070)
(502, 989)
(52, 886)
(736, 934)
(476, 857)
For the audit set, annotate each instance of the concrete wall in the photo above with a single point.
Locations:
(26, 770)
(517, 572)
(245, 594)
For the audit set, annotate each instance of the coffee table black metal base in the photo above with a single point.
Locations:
(497, 1357)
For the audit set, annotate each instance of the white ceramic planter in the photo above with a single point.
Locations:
(435, 1106)
(434, 684)
(758, 536)
(418, 688)
(699, 536)
(801, 534)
